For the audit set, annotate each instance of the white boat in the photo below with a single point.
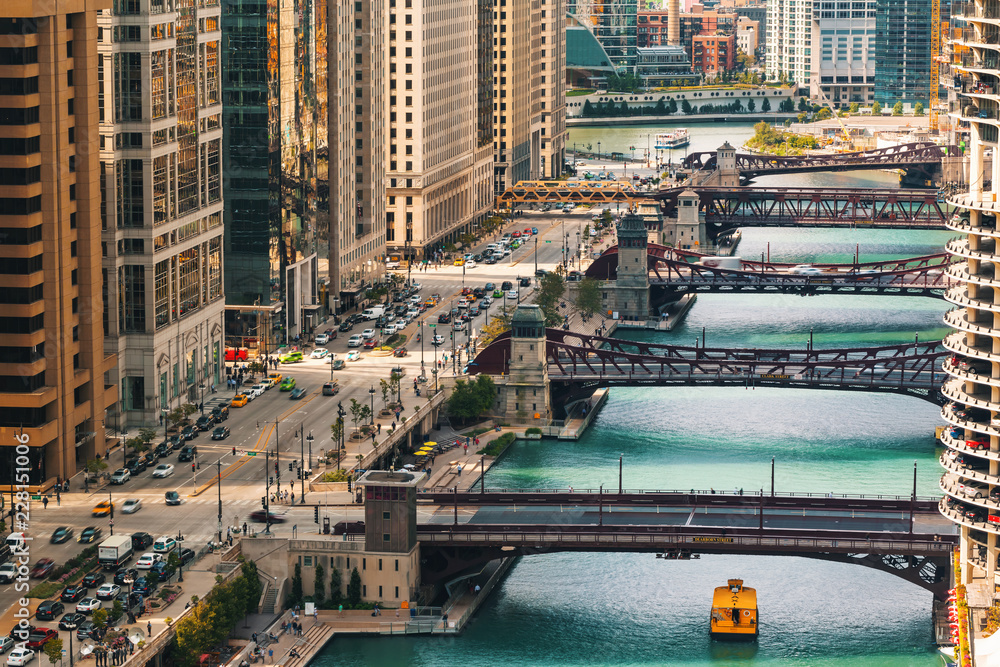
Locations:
(678, 138)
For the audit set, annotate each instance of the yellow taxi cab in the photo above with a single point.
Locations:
(275, 379)
(239, 400)
(431, 302)
(459, 262)
(102, 508)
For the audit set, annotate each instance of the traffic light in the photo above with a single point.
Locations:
(263, 502)
(290, 467)
(316, 514)
(234, 451)
(348, 484)
(275, 467)
(270, 481)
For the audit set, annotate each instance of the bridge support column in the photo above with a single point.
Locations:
(526, 394)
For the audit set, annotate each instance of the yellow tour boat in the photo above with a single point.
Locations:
(734, 612)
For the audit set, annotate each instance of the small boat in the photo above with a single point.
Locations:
(734, 612)
(678, 138)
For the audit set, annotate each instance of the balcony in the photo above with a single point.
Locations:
(959, 518)
(949, 461)
(961, 272)
(954, 390)
(959, 295)
(959, 319)
(980, 497)
(982, 202)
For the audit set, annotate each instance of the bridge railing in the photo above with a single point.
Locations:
(683, 492)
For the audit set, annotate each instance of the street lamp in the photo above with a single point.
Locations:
(180, 567)
(420, 335)
(371, 393)
(302, 468)
(309, 439)
(111, 515)
(598, 150)
(218, 472)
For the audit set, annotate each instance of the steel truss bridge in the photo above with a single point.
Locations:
(925, 155)
(676, 270)
(579, 363)
(905, 536)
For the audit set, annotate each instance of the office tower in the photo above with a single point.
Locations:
(971, 478)
(549, 84)
(274, 144)
(440, 123)
(613, 23)
(902, 51)
(161, 179)
(356, 44)
(55, 375)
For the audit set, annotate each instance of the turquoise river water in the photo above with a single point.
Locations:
(633, 609)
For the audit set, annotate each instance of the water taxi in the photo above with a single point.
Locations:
(734, 612)
(674, 139)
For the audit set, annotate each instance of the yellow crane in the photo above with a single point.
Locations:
(843, 128)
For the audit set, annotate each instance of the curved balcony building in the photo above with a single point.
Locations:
(971, 481)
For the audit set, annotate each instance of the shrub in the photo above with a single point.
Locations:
(534, 430)
(496, 447)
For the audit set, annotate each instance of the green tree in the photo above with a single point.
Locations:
(588, 297)
(394, 380)
(751, 106)
(853, 108)
(295, 595)
(53, 650)
(117, 609)
(876, 109)
(686, 106)
(173, 562)
(95, 466)
(672, 106)
(765, 105)
(100, 618)
(354, 588)
(320, 586)
(384, 386)
(357, 412)
(336, 583)
(660, 109)
(802, 117)
(803, 104)
(918, 109)
(897, 108)
(588, 108)
(823, 114)
(472, 398)
(552, 289)
(336, 432)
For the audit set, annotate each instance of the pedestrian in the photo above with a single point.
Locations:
(293, 497)
(45, 502)
(379, 428)
(244, 527)
(340, 609)
(253, 637)
(149, 628)
(270, 655)
(58, 497)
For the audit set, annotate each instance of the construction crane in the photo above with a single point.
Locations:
(843, 128)
(935, 66)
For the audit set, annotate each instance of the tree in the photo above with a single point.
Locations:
(394, 380)
(100, 618)
(320, 586)
(295, 595)
(751, 106)
(765, 105)
(384, 386)
(625, 110)
(354, 588)
(95, 466)
(672, 106)
(588, 108)
(853, 108)
(803, 104)
(918, 109)
(823, 114)
(897, 108)
(336, 583)
(472, 398)
(552, 289)
(336, 433)
(686, 106)
(173, 562)
(357, 412)
(660, 109)
(53, 650)
(588, 297)
(876, 109)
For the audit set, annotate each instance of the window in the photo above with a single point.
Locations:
(128, 86)
(129, 186)
(132, 298)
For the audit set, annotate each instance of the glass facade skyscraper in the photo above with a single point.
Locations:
(614, 23)
(902, 51)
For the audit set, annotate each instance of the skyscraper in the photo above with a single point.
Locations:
(161, 185)
(902, 51)
(613, 22)
(440, 122)
(54, 373)
(274, 134)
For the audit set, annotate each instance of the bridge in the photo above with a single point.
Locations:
(923, 156)
(676, 270)
(903, 535)
(579, 363)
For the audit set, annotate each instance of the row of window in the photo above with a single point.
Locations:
(20, 235)
(20, 116)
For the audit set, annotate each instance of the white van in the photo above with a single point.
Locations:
(373, 313)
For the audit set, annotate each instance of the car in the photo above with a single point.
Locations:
(291, 357)
(437, 340)
(497, 294)
(188, 432)
(459, 262)
(86, 630)
(8, 572)
(400, 352)
(121, 476)
(275, 378)
(102, 508)
(330, 388)
(345, 326)
(338, 364)
(164, 544)
(186, 556)
(490, 260)
(473, 311)
(187, 454)
(371, 343)
(353, 355)
(73, 593)
(172, 498)
(258, 516)
(141, 541)
(288, 384)
(49, 609)
(220, 433)
(147, 560)
(61, 534)
(96, 578)
(42, 568)
(163, 470)
(459, 325)
(240, 400)
(71, 620)
(534, 230)
(143, 586)
(158, 572)
(803, 269)
(162, 451)
(137, 465)
(367, 334)
(444, 318)
(88, 605)
(257, 390)
(20, 656)
(175, 441)
(524, 281)
(355, 341)
(220, 413)
(975, 445)
(541, 273)
(38, 638)
(126, 576)
(471, 264)
(515, 234)
(322, 339)
(507, 285)
(512, 294)
(463, 303)
(108, 591)
(6, 644)
(298, 392)
(89, 534)
(389, 329)
(203, 423)
(319, 353)
(20, 633)
(131, 506)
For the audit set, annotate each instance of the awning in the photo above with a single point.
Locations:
(312, 306)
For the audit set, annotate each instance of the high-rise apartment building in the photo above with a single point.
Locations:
(55, 378)
(161, 186)
(903, 51)
(789, 42)
(274, 115)
(357, 78)
(440, 122)
(613, 23)
(971, 479)
(549, 84)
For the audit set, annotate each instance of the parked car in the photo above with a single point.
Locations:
(164, 544)
(240, 400)
(97, 578)
(8, 572)
(19, 657)
(85, 630)
(203, 423)
(88, 605)
(71, 621)
(162, 451)
(121, 476)
(38, 638)
(188, 432)
(187, 555)
(143, 586)
(73, 593)
(220, 413)
(220, 433)
(147, 560)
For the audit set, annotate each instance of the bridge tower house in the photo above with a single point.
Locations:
(729, 175)
(526, 391)
(629, 294)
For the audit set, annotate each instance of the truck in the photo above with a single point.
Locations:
(730, 263)
(115, 551)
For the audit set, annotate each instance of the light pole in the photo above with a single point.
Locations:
(420, 326)
(620, 458)
(180, 566)
(111, 515)
(598, 150)
(302, 467)
(333, 358)
(536, 255)
(218, 470)
(309, 440)
(371, 393)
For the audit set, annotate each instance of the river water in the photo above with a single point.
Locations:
(633, 609)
